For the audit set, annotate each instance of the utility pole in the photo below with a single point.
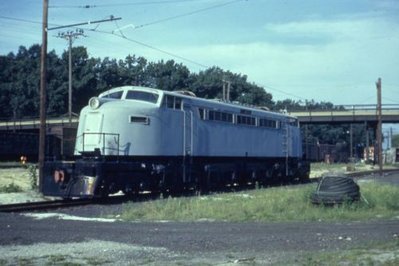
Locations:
(70, 36)
(43, 85)
(351, 141)
(367, 142)
(226, 90)
(390, 138)
(379, 125)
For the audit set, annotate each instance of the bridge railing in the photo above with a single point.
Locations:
(345, 108)
(348, 113)
(349, 109)
(34, 122)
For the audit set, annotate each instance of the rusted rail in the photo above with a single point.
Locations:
(42, 205)
(58, 204)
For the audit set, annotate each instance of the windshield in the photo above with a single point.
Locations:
(113, 95)
(142, 96)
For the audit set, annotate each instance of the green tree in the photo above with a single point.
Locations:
(19, 82)
(168, 75)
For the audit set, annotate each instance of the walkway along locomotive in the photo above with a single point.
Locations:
(136, 139)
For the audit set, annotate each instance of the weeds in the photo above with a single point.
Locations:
(377, 254)
(268, 205)
(11, 188)
(32, 170)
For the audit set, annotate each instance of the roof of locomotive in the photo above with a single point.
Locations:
(121, 93)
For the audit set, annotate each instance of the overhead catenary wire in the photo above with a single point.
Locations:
(186, 14)
(139, 3)
(151, 47)
(155, 22)
(159, 50)
(167, 52)
(283, 92)
(21, 20)
(126, 38)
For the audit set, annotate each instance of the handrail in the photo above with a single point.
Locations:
(347, 107)
(353, 112)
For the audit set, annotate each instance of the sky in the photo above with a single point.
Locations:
(331, 50)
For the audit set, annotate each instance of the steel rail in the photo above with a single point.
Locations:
(371, 172)
(43, 205)
(65, 203)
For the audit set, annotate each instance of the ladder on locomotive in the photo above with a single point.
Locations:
(286, 140)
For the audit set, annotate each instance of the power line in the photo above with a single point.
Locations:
(26, 21)
(151, 47)
(21, 20)
(142, 25)
(283, 92)
(187, 14)
(142, 3)
(123, 37)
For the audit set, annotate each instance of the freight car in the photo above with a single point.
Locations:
(136, 139)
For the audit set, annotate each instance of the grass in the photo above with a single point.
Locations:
(18, 179)
(10, 188)
(279, 204)
(373, 254)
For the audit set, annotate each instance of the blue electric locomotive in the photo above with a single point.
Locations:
(136, 139)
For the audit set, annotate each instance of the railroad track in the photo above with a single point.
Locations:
(361, 174)
(371, 172)
(56, 204)
(43, 205)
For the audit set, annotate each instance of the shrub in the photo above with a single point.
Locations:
(32, 170)
(11, 188)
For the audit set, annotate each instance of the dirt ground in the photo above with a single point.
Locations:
(55, 238)
(81, 236)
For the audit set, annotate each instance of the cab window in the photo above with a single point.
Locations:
(142, 96)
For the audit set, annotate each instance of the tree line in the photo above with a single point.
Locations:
(20, 83)
(20, 80)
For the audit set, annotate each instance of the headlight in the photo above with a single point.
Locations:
(94, 103)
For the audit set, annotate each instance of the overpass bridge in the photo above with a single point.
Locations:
(348, 114)
(34, 123)
(342, 114)
(21, 137)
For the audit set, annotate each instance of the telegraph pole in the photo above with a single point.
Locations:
(70, 36)
(43, 85)
(379, 125)
(351, 141)
(226, 90)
